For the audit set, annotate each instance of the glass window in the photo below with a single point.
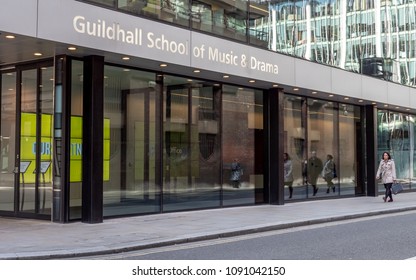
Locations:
(350, 150)
(394, 137)
(322, 147)
(130, 146)
(258, 23)
(174, 11)
(295, 145)
(191, 146)
(46, 129)
(7, 140)
(242, 146)
(28, 141)
(224, 18)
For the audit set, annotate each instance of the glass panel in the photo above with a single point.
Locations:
(191, 145)
(258, 21)
(295, 146)
(75, 166)
(7, 140)
(45, 170)
(225, 18)
(242, 130)
(358, 36)
(350, 149)
(28, 148)
(129, 142)
(322, 147)
(175, 11)
(394, 131)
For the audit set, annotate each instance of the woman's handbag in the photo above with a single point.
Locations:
(396, 188)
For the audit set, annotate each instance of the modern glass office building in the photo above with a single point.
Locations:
(119, 107)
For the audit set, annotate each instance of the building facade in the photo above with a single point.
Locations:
(119, 107)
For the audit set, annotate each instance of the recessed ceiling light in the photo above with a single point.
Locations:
(10, 36)
(360, 100)
(346, 98)
(197, 71)
(275, 85)
(314, 92)
(126, 58)
(189, 80)
(295, 89)
(72, 48)
(163, 65)
(252, 81)
(373, 103)
(397, 107)
(385, 105)
(407, 109)
(126, 70)
(331, 95)
(225, 76)
(38, 54)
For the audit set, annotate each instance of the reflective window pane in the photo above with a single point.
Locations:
(224, 18)
(7, 140)
(242, 131)
(295, 146)
(129, 142)
(191, 147)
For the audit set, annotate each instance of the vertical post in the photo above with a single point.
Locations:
(371, 147)
(92, 146)
(275, 107)
(61, 143)
(159, 138)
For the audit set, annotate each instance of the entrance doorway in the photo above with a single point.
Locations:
(26, 140)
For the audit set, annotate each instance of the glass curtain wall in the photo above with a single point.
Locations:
(396, 135)
(375, 38)
(129, 142)
(7, 140)
(322, 139)
(242, 143)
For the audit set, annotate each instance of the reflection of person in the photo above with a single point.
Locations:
(305, 171)
(288, 173)
(328, 173)
(314, 170)
(387, 174)
(236, 173)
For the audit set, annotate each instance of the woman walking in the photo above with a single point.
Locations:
(387, 174)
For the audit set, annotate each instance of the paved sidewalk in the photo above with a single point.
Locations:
(34, 239)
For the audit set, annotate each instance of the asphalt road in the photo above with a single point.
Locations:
(386, 237)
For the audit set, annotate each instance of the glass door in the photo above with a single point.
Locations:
(35, 114)
(7, 140)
